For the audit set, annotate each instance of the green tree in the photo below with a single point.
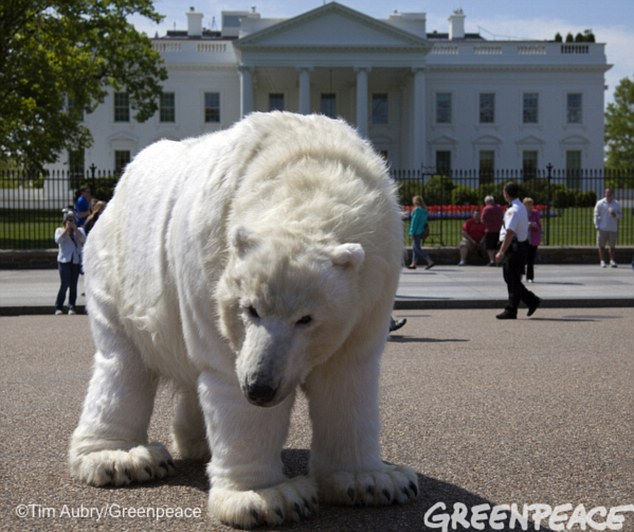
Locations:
(58, 59)
(619, 127)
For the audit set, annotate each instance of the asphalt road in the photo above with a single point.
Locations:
(529, 411)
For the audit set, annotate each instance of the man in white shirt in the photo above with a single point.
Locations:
(607, 212)
(513, 252)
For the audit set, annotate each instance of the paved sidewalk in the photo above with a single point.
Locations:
(564, 286)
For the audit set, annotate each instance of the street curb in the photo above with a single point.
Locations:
(441, 304)
(399, 304)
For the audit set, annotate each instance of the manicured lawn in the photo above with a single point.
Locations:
(35, 229)
(574, 227)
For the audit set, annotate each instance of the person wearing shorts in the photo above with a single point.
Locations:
(607, 212)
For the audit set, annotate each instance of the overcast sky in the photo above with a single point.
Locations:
(612, 21)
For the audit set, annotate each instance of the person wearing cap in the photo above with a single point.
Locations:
(70, 240)
(513, 253)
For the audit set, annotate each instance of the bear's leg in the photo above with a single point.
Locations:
(248, 485)
(343, 396)
(109, 445)
(188, 431)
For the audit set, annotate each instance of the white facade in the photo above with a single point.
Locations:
(389, 78)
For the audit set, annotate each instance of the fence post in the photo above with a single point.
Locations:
(549, 168)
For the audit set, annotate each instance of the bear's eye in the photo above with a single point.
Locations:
(304, 320)
(252, 312)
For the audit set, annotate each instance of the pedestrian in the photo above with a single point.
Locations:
(513, 253)
(82, 205)
(418, 229)
(534, 237)
(607, 212)
(97, 208)
(396, 324)
(491, 217)
(473, 232)
(70, 240)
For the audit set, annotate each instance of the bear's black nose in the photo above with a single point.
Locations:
(260, 394)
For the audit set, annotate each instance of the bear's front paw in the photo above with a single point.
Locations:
(289, 501)
(119, 467)
(391, 484)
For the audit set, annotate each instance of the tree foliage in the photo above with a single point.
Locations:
(58, 58)
(619, 127)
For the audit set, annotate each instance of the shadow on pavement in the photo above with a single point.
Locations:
(394, 517)
(414, 339)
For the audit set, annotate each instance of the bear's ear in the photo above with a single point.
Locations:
(242, 240)
(348, 255)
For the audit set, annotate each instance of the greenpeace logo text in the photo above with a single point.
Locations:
(532, 517)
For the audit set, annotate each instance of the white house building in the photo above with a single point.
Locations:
(424, 99)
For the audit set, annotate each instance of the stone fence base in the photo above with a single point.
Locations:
(47, 258)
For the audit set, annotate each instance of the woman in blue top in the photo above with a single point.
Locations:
(417, 225)
(70, 240)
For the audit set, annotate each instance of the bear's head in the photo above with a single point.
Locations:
(286, 305)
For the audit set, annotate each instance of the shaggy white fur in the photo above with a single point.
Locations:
(241, 265)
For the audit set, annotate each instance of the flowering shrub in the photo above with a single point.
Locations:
(461, 211)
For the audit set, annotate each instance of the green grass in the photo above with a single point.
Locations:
(573, 228)
(35, 229)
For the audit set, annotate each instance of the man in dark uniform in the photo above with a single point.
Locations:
(513, 253)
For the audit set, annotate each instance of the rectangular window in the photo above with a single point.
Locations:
(443, 162)
(574, 108)
(443, 108)
(487, 108)
(328, 104)
(573, 168)
(167, 111)
(121, 107)
(487, 166)
(212, 107)
(121, 159)
(529, 164)
(530, 114)
(379, 108)
(276, 101)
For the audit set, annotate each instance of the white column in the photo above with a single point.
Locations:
(419, 142)
(246, 90)
(304, 91)
(362, 101)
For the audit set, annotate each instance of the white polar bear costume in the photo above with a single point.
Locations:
(241, 265)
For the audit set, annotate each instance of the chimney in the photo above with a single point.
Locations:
(194, 23)
(456, 25)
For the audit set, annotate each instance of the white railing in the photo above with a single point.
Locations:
(445, 49)
(206, 47)
(575, 49)
(167, 46)
(487, 49)
(531, 49)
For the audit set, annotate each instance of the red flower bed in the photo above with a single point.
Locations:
(459, 211)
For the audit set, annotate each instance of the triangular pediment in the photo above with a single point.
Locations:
(444, 139)
(488, 139)
(332, 25)
(530, 139)
(574, 140)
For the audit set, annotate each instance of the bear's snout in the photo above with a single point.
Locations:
(259, 393)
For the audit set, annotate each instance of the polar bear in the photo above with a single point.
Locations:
(242, 265)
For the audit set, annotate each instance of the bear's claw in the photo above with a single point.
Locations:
(120, 467)
(391, 484)
(290, 501)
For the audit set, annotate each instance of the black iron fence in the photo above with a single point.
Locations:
(564, 197)
(30, 206)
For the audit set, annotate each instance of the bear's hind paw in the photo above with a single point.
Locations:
(290, 501)
(391, 484)
(120, 467)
